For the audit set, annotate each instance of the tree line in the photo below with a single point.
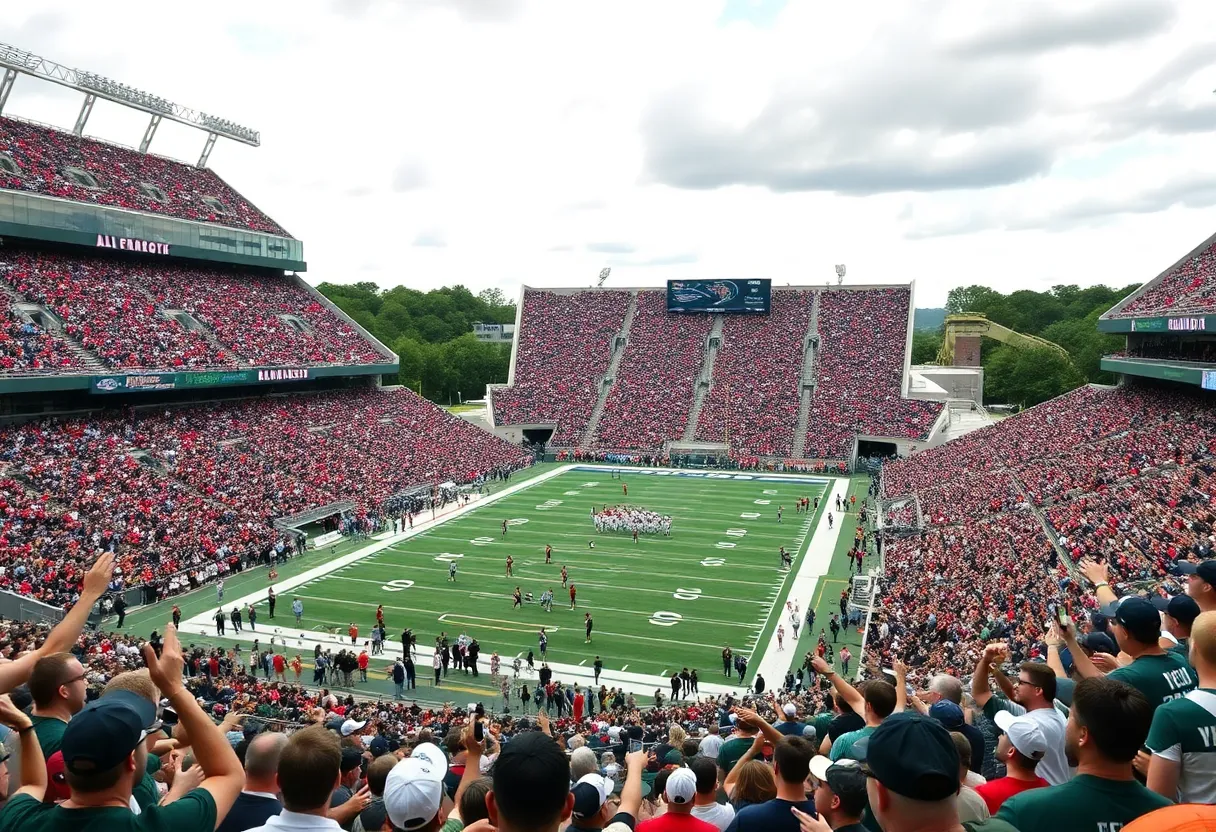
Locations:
(1067, 315)
(432, 332)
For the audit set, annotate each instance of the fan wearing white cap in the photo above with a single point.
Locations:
(413, 792)
(788, 724)
(680, 796)
(592, 810)
(1020, 748)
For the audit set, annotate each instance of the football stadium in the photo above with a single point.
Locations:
(725, 503)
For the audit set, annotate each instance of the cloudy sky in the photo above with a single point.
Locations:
(500, 142)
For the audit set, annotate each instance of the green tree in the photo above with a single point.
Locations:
(1027, 377)
(925, 344)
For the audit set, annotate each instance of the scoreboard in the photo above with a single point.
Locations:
(719, 295)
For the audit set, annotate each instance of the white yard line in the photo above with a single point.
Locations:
(814, 565)
(296, 641)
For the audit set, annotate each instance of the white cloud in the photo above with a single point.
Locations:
(493, 143)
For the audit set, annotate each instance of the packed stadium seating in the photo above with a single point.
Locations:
(1122, 475)
(1187, 289)
(42, 156)
(199, 497)
(115, 310)
(753, 401)
(565, 347)
(650, 401)
(27, 347)
(863, 335)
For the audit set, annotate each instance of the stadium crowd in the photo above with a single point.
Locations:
(1189, 288)
(26, 347)
(940, 756)
(192, 491)
(752, 403)
(117, 310)
(565, 346)
(653, 393)
(862, 341)
(42, 156)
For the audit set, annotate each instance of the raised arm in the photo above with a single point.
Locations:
(67, 631)
(1053, 641)
(843, 689)
(901, 686)
(980, 690)
(33, 766)
(1098, 574)
(472, 767)
(728, 785)
(1085, 668)
(224, 775)
(631, 792)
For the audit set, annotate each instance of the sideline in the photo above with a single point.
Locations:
(816, 562)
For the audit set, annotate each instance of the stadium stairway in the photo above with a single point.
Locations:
(713, 343)
(618, 352)
(806, 382)
(90, 361)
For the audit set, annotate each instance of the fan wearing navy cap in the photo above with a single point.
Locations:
(1180, 613)
(104, 756)
(913, 778)
(1107, 725)
(1201, 582)
(1155, 672)
(591, 809)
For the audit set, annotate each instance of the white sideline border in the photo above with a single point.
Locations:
(815, 563)
(639, 683)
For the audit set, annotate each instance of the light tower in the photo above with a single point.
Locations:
(604, 272)
(840, 270)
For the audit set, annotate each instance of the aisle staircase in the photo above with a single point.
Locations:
(713, 343)
(48, 320)
(806, 380)
(619, 343)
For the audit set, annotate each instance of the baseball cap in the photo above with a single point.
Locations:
(1024, 733)
(914, 756)
(413, 791)
(350, 726)
(1099, 643)
(57, 788)
(590, 794)
(790, 709)
(844, 777)
(1205, 569)
(378, 746)
(352, 758)
(681, 786)
(1183, 608)
(947, 713)
(1139, 617)
(104, 733)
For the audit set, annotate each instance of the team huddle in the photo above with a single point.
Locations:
(631, 519)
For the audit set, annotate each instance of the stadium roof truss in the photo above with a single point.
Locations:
(94, 86)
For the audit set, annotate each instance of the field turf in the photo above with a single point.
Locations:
(658, 605)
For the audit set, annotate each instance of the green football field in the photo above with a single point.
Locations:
(658, 605)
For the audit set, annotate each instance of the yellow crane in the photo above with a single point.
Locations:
(970, 323)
